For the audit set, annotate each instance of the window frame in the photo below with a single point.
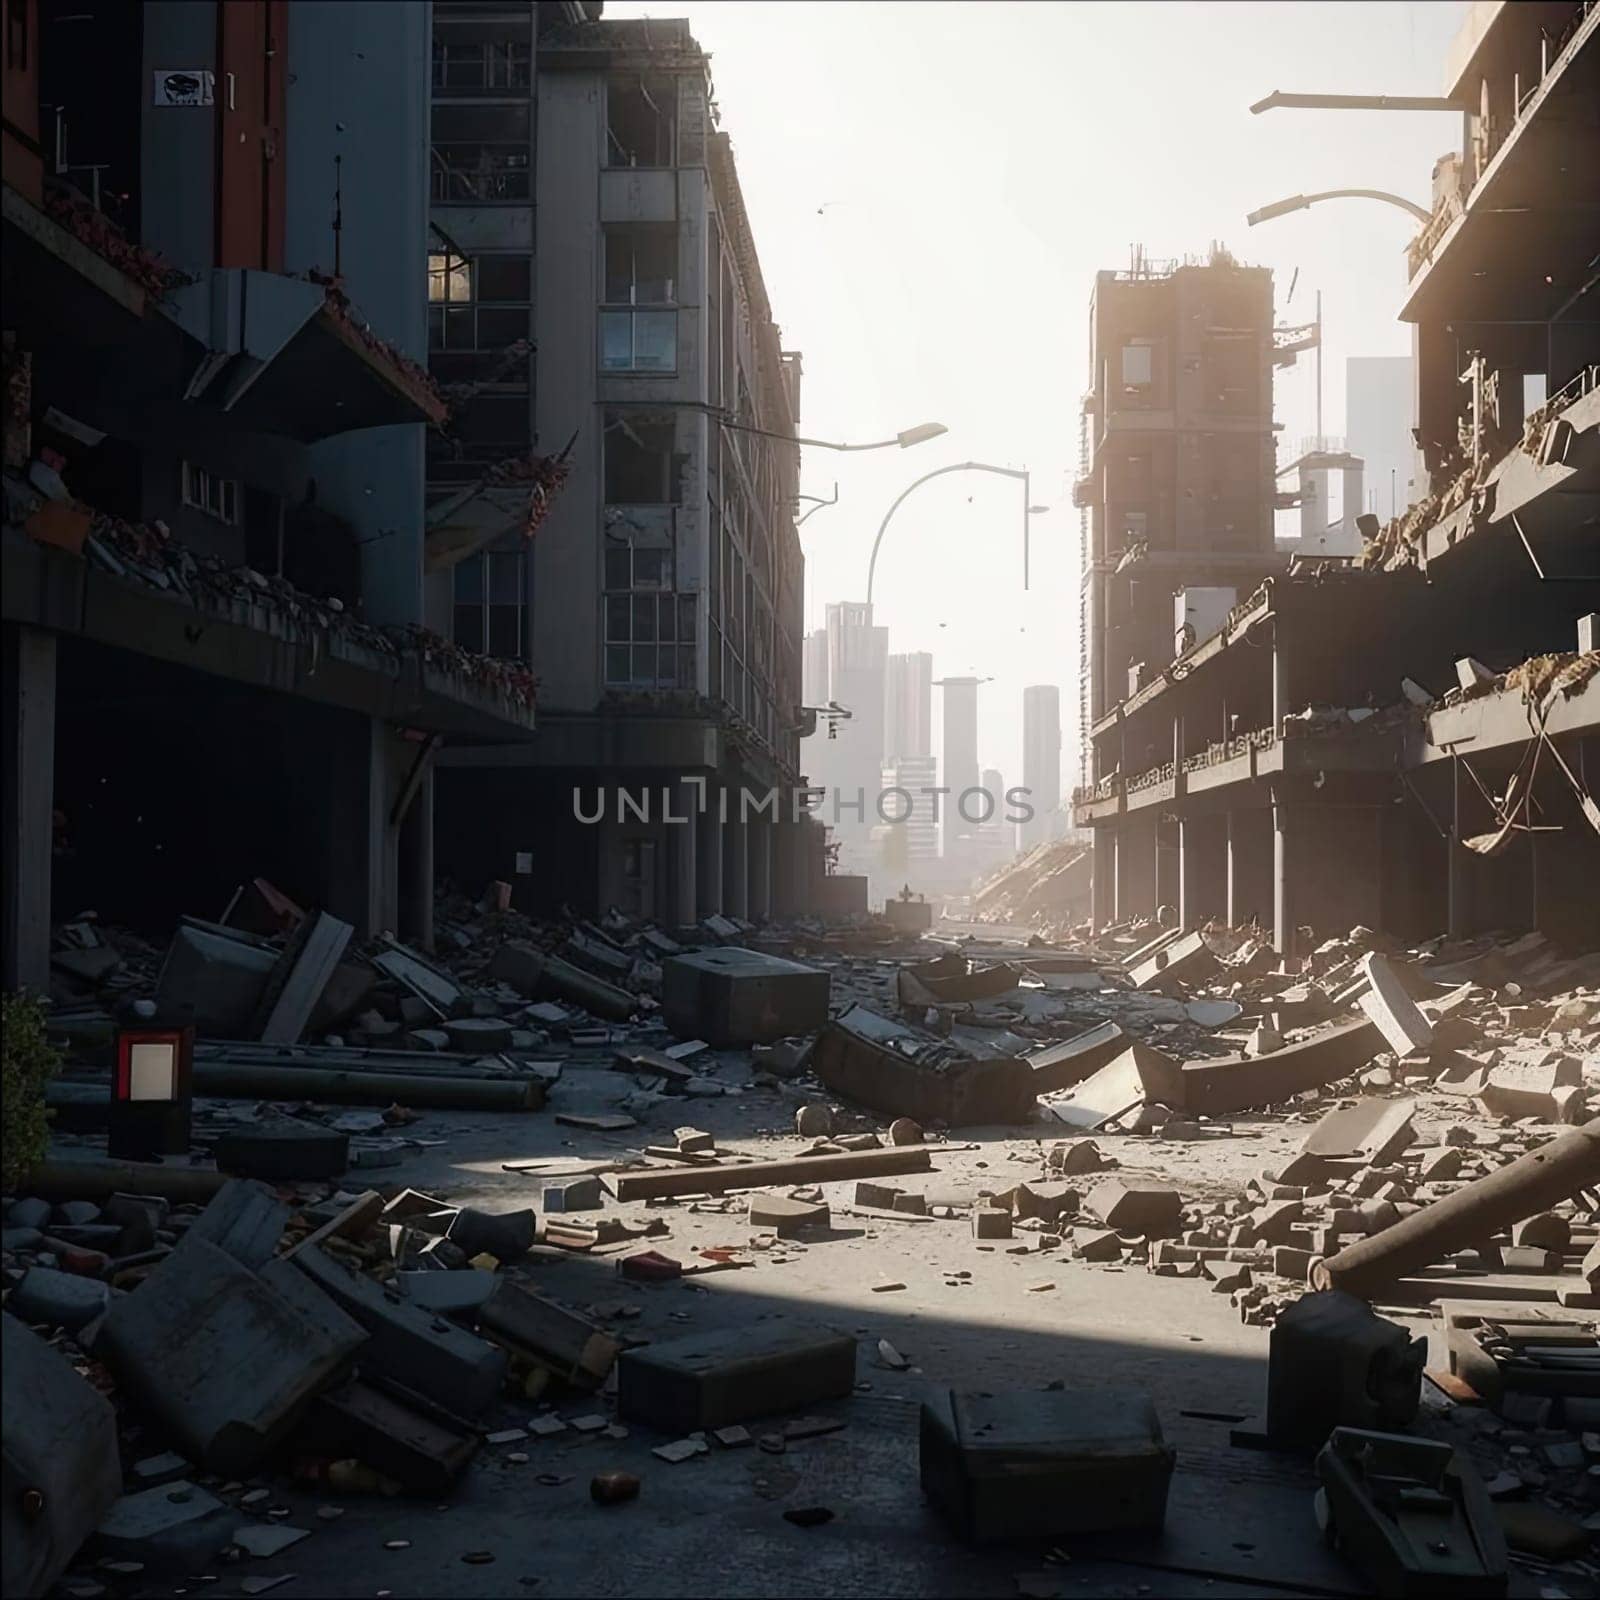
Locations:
(210, 494)
(482, 562)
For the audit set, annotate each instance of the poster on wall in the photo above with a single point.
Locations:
(182, 88)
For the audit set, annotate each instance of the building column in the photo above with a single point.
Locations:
(362, 779)
(30, 763)
(708, 857)
(1459, 919)
(1136, 867)
(416, 866)
(759, 838)
(682, 837)
(1202, 869)
(1283, 937)
(1234, 864)
(735, 861)
(1103, 879)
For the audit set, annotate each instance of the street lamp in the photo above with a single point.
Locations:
(904, 440)
(1028, 509)
(1299, 202)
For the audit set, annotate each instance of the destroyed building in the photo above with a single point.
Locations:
(216, 659)
(1408, 741)
(661, 606)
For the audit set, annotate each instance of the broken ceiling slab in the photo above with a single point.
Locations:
(1187, 957)
(1372, 1129)
(1219, 1085)
(1392, 1008)
(907, 1072)
(1059, 1066)
(953, 979)
(411, 972)
(1138, 1076)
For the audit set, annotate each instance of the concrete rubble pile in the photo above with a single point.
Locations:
(1407, 1130)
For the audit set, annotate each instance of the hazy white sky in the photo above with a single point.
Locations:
(933, 186)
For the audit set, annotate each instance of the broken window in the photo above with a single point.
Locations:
(491, 603)
(641, 265)
(640, 469)
(449, 279)
(641, 121)
(478, 307)
(217, 497)
(1138, 366)
(481, 153)
(462, 65)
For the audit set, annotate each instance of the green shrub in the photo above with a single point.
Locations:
(30, 1061)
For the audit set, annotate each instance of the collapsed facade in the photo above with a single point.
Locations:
(1408, 740)
(263, 572)
(216, 664)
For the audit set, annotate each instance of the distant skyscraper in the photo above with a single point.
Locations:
(1041, 762)
(908, 725)
(996, 838)
(910, 849)
(814, 668)
(857, 653)
(1379, 406)
(960, 759)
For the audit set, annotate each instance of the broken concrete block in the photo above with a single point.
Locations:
(245, 1219)
(59, 1439)
(576, 1350)
(1218, 1085)
(738, 997)
(1042, 1465)
(1271, 1224)
(1527, 1089)
(309, 960)
(226, 1359)
(1134, 1206)
(283, 1148)
(478, 1035)
(538, 976)
(1290, 1262)
(572, 1194)
(420, 1450)
(174, 1525)
(1186, 958)
(216, 975)
(1076, 1156)
(1371, 1130)
(1138, 1076)
(28, 1213)
(1394, 1011)
(1547, 1231)
(894, 1067)
(911, 1203)
(813, 1121)
(880, 1195)
(695, 1141)
(1059, 1066)
(58, 1299)
(412, 1347)
(1335, 1363)
(445, 1292)
(904, 1131)
(1097, 1246)
(786, 1217)
(990, 1222)
(709, 1380)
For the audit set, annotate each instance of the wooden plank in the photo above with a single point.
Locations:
(758, 1174)
(357, 1217)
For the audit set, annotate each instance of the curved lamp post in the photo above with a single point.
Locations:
(1028, 509)
(920, 434)
(1299, 202)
